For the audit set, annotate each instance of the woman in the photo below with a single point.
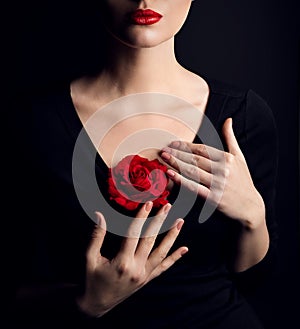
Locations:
(141, 281)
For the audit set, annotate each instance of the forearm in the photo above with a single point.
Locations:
(252, 242)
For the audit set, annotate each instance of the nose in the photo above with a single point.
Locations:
(140, 1)
(144, 3)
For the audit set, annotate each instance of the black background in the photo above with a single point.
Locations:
(250, 43)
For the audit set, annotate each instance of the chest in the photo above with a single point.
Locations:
(141, 125)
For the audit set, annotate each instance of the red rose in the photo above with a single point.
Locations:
(135, 180)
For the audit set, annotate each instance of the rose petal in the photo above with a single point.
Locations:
(136, 180)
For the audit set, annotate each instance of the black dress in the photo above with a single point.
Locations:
(199, 291)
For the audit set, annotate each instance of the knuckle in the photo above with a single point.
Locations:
(200, 149)
(173, 152)
(149, 241)
(216, 197)
(161, 256)
(135, 230)
(123, 268)
(193, 187)
(208, 181)
(226, 172)
(173, 162)
(229, 158)
(137, 277)
(218, 183)
(217, 170)
(163, 267)
(191, 171)
(173, 259)
(197, 160)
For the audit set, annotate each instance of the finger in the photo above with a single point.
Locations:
(130, 242)
(199, 189)
(197, 160)
(161, 252)
(96, 242)
(147, 242)
(190, 170)
(198, 149)
(230, 139)
(168, 262)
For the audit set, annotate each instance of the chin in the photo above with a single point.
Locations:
(143, 39)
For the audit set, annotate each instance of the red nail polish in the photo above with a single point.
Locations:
(179, 225)
(167, 208)
(99, 218)
(175, 144)
(166, 156)
(148, 205)
(171, 173)
(184, 252)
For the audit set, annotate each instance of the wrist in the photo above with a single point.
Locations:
(254, 215)
(255, 224)
(89, 308)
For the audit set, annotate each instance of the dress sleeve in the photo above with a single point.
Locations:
(260, 148)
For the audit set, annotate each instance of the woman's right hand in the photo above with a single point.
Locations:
(109, 282)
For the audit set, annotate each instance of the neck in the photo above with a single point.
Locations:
(134, 70)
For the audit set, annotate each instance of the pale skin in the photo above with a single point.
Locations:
(109, 282)
(239, 198)
(142, 59)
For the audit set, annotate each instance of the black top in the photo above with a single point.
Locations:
(199, 291)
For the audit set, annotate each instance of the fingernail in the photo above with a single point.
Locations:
(167, 208)
(148, 205)
(171, 172)
(175, 144)
(99, 218)
(166, 156)
(180, 224)
(184, 251)
(167, 149)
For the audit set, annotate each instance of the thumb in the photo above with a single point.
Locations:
(97, 237)
(231, 142)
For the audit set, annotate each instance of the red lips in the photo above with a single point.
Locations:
(145, 17)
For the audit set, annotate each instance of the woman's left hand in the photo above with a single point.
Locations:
(221, 177)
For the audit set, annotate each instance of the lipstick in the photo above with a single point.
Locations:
(145, 17)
